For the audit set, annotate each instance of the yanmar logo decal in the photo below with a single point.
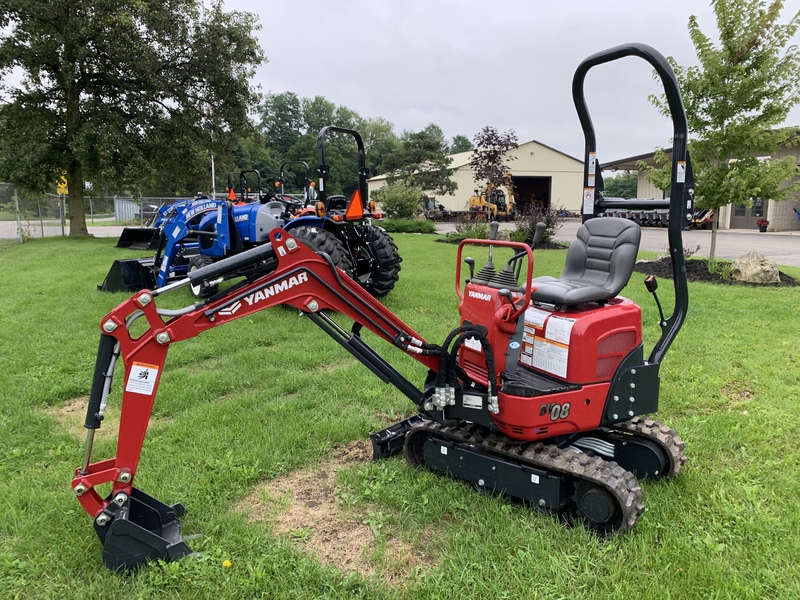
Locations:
(267, 292)
(231, 310)
(276, 289)
(479, 295)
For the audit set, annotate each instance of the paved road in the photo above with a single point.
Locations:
(782, 247)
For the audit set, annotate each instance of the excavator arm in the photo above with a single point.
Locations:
(135, 527)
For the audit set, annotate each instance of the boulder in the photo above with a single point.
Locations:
(754, 267)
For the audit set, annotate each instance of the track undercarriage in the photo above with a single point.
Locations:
(562, 477)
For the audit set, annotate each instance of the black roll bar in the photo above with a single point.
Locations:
(306, 183)
(681, 205)
(324, 169)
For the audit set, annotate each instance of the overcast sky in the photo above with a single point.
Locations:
(463, 64)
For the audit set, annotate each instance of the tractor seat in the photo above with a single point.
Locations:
(599, 264)
(336, 203)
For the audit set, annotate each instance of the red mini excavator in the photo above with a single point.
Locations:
(538, 394)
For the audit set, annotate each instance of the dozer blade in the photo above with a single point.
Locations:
(389, 441)
(139, 238)
(129, 275)
(142, 530)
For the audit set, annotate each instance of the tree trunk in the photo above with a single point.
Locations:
(77, 212)
(713, 250)
(72, 95)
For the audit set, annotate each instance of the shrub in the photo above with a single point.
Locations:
(407, 226)
(398, 201)
(526, 224)
(467, 228)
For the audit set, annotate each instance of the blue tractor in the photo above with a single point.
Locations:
(196, 233)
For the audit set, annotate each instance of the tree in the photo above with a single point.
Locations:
(421, 161)
(112, 90)
(281, 121)
(624, 185)
(735, 99)
(490, 156)
(398, 201)
(460, 143)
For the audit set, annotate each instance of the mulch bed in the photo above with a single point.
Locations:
(697, 270)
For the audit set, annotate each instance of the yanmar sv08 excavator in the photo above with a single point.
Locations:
(538, 394)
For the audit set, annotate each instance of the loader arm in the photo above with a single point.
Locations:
(292, 275)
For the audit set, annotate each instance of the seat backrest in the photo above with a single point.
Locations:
(603, 254)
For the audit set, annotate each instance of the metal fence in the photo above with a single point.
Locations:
(24, 214)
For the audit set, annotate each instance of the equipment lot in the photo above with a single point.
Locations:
(783, 247)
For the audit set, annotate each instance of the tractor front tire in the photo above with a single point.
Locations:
(320, 240)
(386, 266)
(198, 261)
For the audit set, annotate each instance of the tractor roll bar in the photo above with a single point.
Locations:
(682, 189)
(282, 179)
(324, 169)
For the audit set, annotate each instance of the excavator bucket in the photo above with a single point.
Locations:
(139, 238)
(142, 530)
(129, 275)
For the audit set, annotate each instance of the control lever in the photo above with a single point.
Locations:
(488, 271)
(471, 262)
(506, 293)
(538, 234)
(652, 285)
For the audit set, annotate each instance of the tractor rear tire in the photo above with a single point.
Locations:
(320, 240)
(387, 259)
(198, 261)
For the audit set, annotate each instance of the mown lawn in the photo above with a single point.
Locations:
(245, 407)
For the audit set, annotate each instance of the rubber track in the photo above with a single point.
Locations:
(607, 474)
(661, 434)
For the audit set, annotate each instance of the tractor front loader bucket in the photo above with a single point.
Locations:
(139, 238)
(141, 530)
(129, 275)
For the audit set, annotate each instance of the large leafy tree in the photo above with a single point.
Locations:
(460, 143)
(735, 99)
(114, 89)
(624, 185)
(281, 120)
(490, 158)
(421, 161)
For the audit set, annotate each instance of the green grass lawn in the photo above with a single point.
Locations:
(269, 399)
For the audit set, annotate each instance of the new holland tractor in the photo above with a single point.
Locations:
(197, 233)
(541, 391)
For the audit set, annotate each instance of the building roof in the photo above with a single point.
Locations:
(630, 163)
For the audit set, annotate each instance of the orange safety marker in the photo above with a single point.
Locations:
(355, 210)
(232, 195)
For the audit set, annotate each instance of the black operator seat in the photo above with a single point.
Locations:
(599, 264)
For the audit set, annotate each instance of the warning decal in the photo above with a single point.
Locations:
(142, 378)
(550, 357)
(681, 174)
(588, 201)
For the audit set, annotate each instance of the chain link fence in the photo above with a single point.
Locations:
(25, 215)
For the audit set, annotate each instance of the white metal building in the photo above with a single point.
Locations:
(540, 173)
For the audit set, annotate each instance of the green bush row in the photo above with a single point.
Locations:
(407, 226)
